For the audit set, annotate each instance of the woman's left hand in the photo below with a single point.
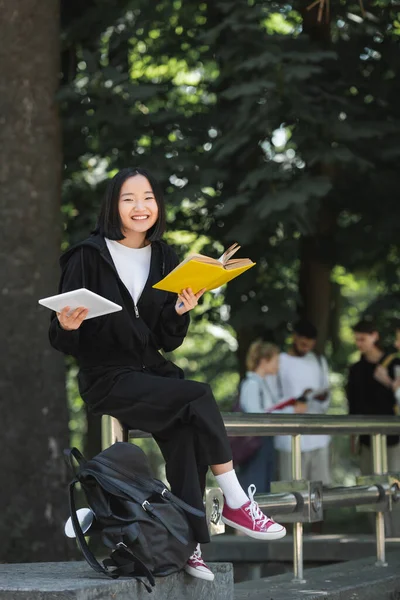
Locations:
(187, 300)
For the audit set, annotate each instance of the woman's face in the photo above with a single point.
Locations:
(271, 366)
(137, 205)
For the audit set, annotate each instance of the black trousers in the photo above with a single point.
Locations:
(185, 421)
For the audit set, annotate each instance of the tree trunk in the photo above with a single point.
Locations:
(315, 289)
(34, 418)
(317, 251)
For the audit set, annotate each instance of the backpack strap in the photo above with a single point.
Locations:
(182, 504)
(90, 558)
(154, 512)
(127, 563)
(72, 453)
(135, 568)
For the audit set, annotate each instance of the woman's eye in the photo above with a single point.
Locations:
(149, 198)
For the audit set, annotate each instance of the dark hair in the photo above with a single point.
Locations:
(304, 328)
(109, 221)
(365, 326)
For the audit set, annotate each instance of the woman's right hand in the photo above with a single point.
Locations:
(74, 320)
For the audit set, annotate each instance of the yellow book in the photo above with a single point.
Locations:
(198, 271)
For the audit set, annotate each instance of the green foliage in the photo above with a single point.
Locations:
(77, 420)
(254, 117)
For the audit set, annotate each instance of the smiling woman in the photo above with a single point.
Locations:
(122, 373)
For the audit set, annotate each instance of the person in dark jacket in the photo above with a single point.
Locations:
(370, 392)
(121, 370)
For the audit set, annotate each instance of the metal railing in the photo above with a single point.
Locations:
(298, 500)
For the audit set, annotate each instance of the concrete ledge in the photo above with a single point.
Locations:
(316, 548)
(356, 580)
(77, 581)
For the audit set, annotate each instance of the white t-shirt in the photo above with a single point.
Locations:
(132, 264)
(297, 374)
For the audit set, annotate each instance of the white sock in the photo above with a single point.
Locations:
(235, 495)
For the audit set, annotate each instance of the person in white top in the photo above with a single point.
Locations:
(257, 396)
(304, 375)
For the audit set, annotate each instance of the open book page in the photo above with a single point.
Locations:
(199, 258)
(238, 263)
(229, 253)
(233, 263)
(224, 260)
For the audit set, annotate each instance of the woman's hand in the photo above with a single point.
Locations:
(187, 300)
(74, 320)
(300, 408)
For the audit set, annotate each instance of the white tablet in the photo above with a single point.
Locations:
(97, 305)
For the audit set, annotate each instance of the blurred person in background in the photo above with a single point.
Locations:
(304, 375)
(372, 387)
(257, 396)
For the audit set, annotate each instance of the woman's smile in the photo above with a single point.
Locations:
(139, 217)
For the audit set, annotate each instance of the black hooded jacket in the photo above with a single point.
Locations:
(129, 338)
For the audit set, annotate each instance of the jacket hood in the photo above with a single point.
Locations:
(96, 241)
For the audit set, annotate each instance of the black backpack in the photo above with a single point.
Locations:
(143, 523)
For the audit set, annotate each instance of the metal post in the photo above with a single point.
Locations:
(297, 527)
(296, 457)
(384, 454)
(377, 456)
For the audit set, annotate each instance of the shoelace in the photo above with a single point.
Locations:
(254, 510)
(197, 554)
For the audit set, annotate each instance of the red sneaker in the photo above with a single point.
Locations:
(251, 520)
(196, 567)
